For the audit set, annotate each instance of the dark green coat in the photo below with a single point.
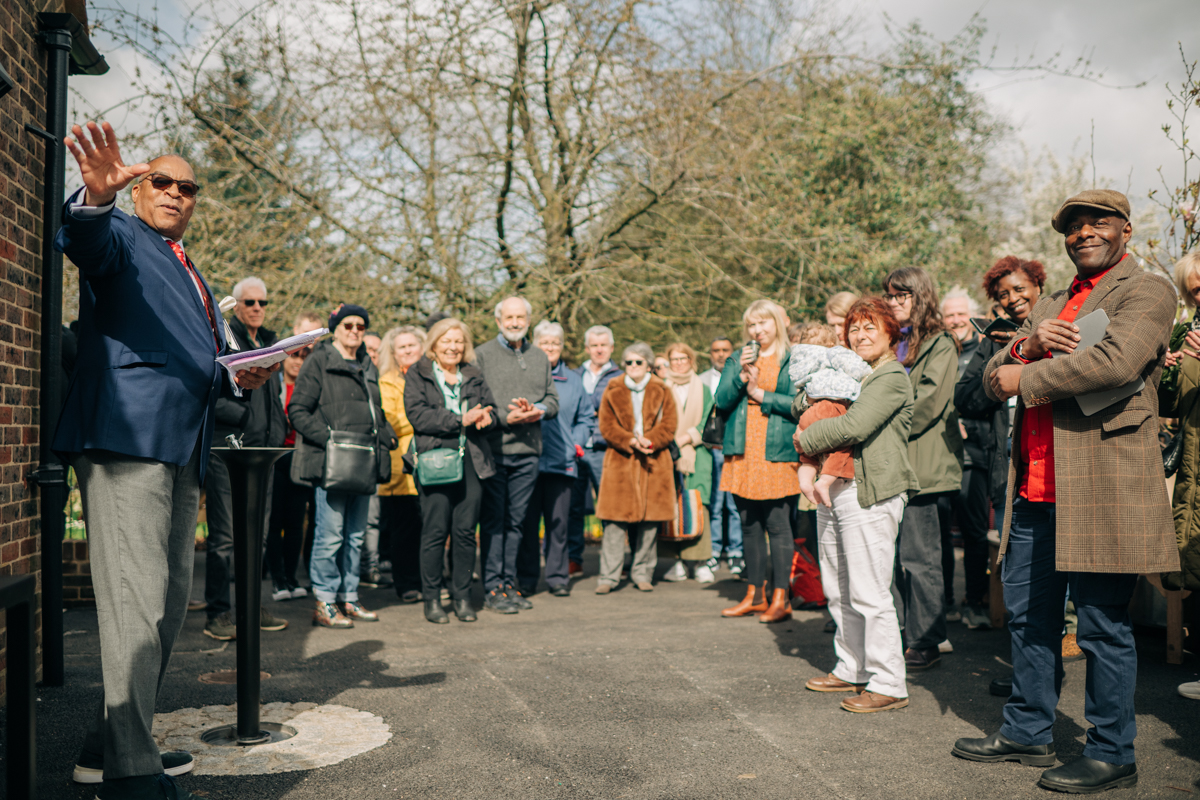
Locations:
(1184, 403)
(777, 405)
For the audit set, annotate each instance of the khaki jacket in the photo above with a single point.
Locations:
(877, 425)
(1112, 511)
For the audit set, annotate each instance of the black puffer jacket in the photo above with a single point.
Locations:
(986, 421)
(435, 426)
(330, 394)
(257, 416)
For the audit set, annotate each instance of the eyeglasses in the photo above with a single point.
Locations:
(252, 303)
(354, 326)
(188, 189)
(630, 362)
(899, 297)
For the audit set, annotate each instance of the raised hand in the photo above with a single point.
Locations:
(100, 165)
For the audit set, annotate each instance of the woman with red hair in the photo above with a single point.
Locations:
(857, 535)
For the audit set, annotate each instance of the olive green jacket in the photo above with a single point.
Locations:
(935, 445)
(877, 425)
(777, 405)
(1184, 403)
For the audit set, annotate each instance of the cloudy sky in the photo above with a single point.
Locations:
(1130, 43)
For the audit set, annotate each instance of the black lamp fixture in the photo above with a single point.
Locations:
(7, 84)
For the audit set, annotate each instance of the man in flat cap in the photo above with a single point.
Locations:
(1087, 503)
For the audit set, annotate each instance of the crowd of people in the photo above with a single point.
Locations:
(866, 437)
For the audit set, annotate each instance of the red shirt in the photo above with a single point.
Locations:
(1037, 425)
(290, 439)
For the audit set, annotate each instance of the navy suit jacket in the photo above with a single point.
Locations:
(146, 381)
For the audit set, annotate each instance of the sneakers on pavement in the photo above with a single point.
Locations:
(221, 627)
(676, 573)
(495, 600)
(1190, 690)
(269, 622)
(704, 574)
(517, 599)
(90, 768)
(976, 618)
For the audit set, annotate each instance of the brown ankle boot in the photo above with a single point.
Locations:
(755, 602)
(780, 608)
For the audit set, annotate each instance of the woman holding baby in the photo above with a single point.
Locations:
(857, 531)
(760, 461)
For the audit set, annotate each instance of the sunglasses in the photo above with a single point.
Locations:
(354, 326)
(253, 303)
(187, 189)
(629, 362)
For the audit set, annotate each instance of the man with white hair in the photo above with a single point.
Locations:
(258, 420)
(596, 372)
(971, 504)
(519, 376)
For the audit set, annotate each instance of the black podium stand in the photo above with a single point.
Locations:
(250, 481)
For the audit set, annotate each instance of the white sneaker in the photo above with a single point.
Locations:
(299, 592)
(704, 574)
(676, 573)
(1190, 690)
(281, 594)
(946, 647)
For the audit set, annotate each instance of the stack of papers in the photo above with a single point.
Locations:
(269, 356)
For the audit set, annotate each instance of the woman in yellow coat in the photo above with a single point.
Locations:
(399, 509)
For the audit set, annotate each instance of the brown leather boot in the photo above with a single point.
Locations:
(755, 602)
(780, 609)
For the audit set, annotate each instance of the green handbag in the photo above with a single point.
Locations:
(442, 465)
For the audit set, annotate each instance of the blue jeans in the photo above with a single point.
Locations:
(1034, 592)
(590, 467)
(506, 497)
(337, 544)
(726, 522)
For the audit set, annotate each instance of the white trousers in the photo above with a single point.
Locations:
(857, 554)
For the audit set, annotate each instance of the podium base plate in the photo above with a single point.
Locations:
(227, 736)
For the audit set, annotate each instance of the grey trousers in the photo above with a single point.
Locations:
(918, 587)
(141, 526)
(641, 536)
(369, 558)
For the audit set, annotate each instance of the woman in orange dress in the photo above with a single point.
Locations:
(760, 460)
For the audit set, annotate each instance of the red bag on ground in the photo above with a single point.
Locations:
(806, 576)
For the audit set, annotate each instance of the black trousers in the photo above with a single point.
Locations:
(450, 510)
(400, 527)
(970, 506)
(767, 539)
(552, 501)
(286, 529)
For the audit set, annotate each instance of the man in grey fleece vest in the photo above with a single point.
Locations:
(519, 376)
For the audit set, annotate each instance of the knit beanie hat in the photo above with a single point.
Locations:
(348, 310)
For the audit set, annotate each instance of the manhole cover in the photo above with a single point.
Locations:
(227, 676)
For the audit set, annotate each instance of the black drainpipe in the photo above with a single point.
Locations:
(68, 51)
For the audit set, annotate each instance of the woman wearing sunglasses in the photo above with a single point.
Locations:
(337, 390)
(637, 486)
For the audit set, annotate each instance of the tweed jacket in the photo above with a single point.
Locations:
(1112, 511)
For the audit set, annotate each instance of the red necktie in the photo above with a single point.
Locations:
(187, 264)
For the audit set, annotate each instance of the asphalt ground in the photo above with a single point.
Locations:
(629, 695)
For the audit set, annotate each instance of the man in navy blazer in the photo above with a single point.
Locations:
(136, 426)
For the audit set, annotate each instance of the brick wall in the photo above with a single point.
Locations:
(21, 164)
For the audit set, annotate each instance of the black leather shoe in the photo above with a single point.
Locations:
(1087, 776)
(435, 613)
(1001, 687)
(917, 660)
(463, 610)
(999, 747)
